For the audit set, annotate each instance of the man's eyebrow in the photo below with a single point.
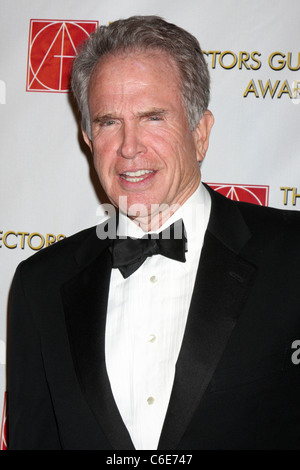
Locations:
(152, 112)
(103, 117)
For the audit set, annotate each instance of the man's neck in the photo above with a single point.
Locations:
(152, 222)
(158, 215)
(137, 227)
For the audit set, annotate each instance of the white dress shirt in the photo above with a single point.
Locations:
(146, 319)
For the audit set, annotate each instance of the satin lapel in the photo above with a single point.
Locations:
(222, 284)
(85, 304)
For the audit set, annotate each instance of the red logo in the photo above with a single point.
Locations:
(51, 50)
(3, 435)
(255, 194)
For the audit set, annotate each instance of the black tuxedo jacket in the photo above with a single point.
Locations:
(236, 386)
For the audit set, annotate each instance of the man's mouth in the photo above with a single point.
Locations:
(136, 176)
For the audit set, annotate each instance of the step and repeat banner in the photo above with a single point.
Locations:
(48, 185)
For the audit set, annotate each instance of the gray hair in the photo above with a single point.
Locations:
(139, 33)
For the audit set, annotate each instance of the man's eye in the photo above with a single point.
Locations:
(155, 118)
(108, 123)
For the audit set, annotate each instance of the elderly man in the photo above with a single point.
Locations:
(170, 326)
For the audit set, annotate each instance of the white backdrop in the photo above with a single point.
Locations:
(47, 184)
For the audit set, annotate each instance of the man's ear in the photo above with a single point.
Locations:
(87, 140)
(201, 134)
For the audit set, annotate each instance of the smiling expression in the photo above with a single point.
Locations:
(141, 142)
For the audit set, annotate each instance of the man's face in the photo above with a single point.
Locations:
(141, 142)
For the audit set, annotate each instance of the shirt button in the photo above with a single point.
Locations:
(153, 279)
(150, 400)
(152, 338)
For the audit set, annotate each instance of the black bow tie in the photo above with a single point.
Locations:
(128, 254)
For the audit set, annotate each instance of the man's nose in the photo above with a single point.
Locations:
(131, 142)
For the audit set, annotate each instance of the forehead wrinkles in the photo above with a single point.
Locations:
(137, 62)
(117, 80)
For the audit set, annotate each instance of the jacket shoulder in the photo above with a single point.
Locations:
(59, 256)
(263, 217)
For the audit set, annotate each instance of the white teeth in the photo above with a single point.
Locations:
(135, 176)
(137, 173)
(133, 180)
